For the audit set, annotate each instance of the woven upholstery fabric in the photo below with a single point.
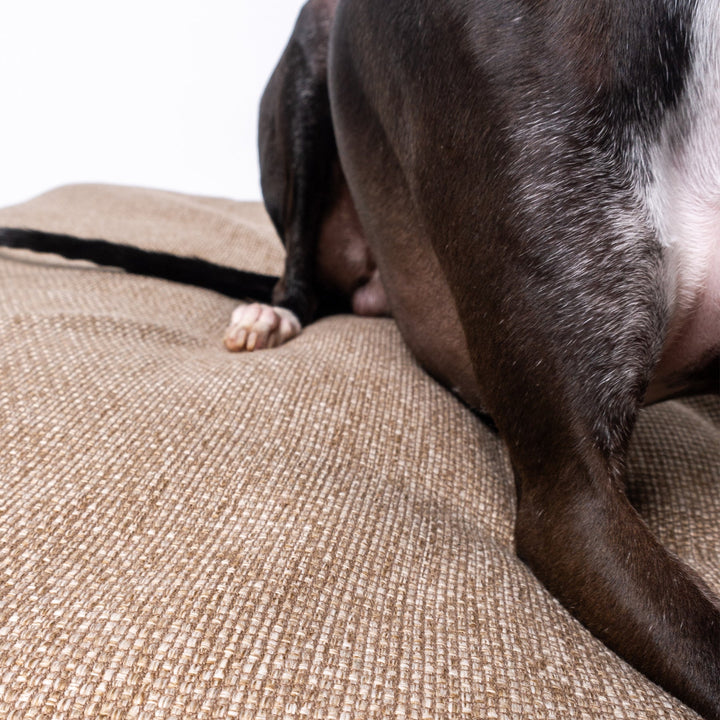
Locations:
(314, 531)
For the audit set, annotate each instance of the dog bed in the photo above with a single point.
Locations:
(314, 531)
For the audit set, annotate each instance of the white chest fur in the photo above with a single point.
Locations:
(683, 201)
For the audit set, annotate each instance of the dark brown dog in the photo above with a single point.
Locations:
(537, 185)
(532, 189)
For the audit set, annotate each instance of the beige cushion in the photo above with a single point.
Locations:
(315, 531)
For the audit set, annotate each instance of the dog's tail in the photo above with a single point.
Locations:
(239, 284)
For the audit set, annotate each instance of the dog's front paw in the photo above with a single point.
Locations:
(257, 326)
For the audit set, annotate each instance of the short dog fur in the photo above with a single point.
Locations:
(532, 189)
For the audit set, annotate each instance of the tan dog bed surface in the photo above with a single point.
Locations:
(314, 531)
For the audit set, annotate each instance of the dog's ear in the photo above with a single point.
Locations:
(297, 153)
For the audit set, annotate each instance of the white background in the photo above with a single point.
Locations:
(154, 93)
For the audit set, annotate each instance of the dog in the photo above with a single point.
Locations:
(531, 188)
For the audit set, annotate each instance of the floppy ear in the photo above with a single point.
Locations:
(297, 153)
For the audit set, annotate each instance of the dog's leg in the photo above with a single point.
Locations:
(583, 540)
(297, 153)
(563, 365)
(565, 404)
(521, 215)
(565, 401)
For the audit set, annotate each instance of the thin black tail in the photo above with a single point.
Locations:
(239, 284)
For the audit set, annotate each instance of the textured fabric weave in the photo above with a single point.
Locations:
(315, 531)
